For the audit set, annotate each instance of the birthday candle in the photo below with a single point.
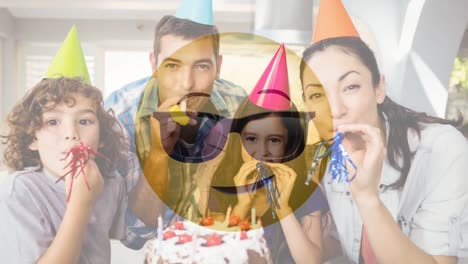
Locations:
(160, 229)
(228, 216)
(194, 243)
(253, 216)
(259, 231)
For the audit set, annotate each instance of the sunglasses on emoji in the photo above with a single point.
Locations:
(213, 132)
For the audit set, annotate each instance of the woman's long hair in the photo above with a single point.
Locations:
(400, 119)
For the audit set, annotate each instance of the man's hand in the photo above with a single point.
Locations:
(165, 131)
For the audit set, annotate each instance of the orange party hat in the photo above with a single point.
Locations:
(333, 21)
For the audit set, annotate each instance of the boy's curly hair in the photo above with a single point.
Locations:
(26, 118)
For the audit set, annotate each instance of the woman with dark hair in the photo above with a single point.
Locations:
(407, 203)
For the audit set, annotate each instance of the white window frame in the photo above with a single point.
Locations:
(144, 73)
(48, 49)
(120, 46)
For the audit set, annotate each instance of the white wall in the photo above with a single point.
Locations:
(429, 61)
(433, 43)
(8, 61)
(2, 39)
(384, 19)
(418, 41)
(96, 37)
(463, 52)
(47, 30)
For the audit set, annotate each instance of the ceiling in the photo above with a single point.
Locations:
(225, 10)
(228, 11)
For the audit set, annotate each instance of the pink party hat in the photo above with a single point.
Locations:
(272, 90)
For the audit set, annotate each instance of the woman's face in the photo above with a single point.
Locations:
(340, 91)
(264, 139)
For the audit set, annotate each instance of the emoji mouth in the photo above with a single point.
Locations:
(277, 92)
(244, 188)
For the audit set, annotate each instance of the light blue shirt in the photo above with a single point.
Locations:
(32, 207)
(125, 103)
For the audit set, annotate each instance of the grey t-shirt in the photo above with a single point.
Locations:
(32, 206)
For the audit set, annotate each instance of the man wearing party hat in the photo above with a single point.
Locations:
(135, 103)
(62, 140)
(409, 168)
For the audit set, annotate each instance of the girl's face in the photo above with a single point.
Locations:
(64, 127)
(264, 139)
(340, 91)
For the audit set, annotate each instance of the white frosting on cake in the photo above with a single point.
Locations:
(232, 250)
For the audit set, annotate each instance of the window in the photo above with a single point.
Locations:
(34, 60)
(36, 66)
(123, 67)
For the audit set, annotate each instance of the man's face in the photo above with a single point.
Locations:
(186, 66)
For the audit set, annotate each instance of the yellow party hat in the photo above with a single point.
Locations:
(69, 61)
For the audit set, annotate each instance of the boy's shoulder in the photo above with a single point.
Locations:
(19, 183)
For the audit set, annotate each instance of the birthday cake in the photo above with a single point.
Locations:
(210, 242)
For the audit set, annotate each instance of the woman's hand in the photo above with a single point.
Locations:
(365, 145)
(285, 177)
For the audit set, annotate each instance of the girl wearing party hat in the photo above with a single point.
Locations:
(263, 167)
(42, 220)
(407, 202)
